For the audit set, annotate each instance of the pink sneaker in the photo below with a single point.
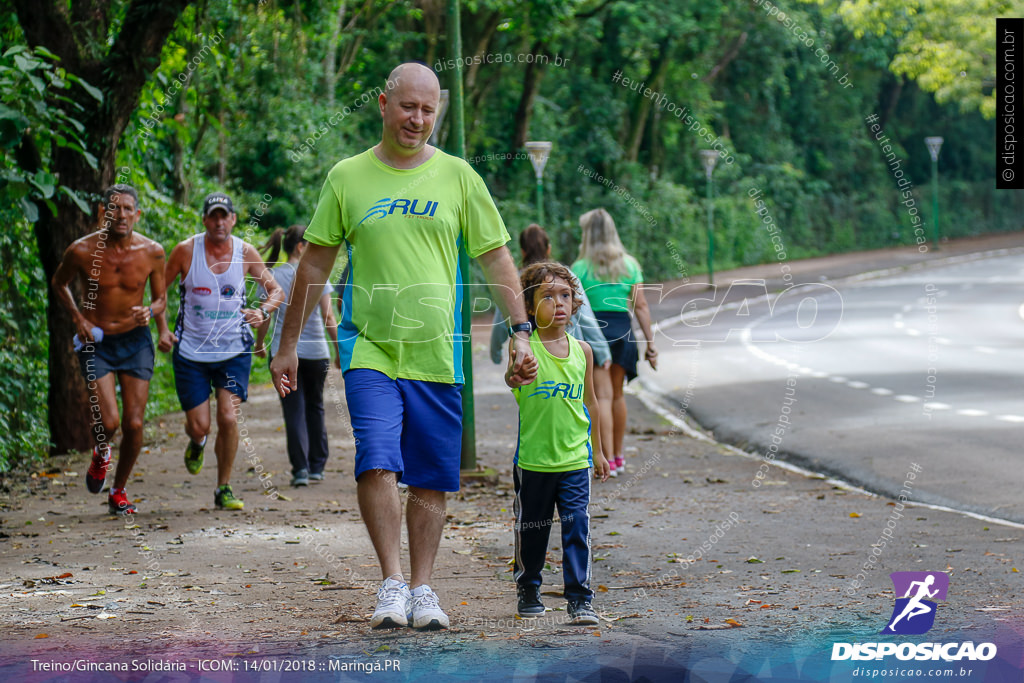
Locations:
(620, 463)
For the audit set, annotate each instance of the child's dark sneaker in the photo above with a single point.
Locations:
(119, 504)
(529, 602)
(97, 474)
(582, 613)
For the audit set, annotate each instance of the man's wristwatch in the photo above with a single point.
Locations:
(265, 314)
(520, 327)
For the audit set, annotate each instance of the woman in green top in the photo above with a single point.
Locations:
(612, 280)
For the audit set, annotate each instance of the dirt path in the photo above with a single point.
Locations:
(694, 566)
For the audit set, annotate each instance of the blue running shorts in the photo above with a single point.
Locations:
(130, 352)
(193, 380)
(409, 427)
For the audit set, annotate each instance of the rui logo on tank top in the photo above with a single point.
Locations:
(227, 292)
(552, 389)
(414, 208)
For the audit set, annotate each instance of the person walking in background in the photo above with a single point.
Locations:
(535, 246)
(612, 279)
(212, 340)
(114, 344)
(553, 451)
(305, 428)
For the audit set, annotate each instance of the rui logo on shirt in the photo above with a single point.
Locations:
(552, 389)
(383, 208)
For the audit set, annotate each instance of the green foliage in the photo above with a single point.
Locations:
(36, 114)
(945, 46)
(261, 99)
(24, 343)
(37, 109)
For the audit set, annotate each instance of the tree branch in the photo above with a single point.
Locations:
(46, 24)
(726, 58)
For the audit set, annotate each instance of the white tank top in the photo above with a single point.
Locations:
(210, 325)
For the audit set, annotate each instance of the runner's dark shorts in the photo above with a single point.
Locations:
(618, 330)
(129, 352)
(193, 379)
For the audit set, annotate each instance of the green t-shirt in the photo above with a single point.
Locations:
(402, 229)
(609, 296)
(554, 425)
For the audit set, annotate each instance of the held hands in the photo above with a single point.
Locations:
(601, 468)
(522, 366)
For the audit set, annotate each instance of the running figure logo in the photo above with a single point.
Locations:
(914, 613)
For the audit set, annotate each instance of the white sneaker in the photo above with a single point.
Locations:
(426, 612)
(392, 605)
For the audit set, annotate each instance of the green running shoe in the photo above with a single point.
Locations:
(194, 457)
(225, 499)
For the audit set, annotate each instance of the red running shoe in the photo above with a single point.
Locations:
(97, 474)
(119, 504)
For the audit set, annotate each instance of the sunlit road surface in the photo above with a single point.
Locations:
(863, 380)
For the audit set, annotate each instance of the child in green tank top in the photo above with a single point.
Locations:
(557, 423)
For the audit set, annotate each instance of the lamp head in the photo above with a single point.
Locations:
(934, 145)
(539, 152)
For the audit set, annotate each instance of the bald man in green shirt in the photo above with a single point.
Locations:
(402, 209)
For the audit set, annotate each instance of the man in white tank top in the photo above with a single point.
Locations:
(212, 341)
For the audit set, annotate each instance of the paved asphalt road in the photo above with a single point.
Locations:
(861, 379)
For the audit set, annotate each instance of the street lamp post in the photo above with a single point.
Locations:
(709, 158)
(539, 152)
(934, 145)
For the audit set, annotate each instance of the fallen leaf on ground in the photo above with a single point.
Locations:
(346, 619)
(855, 514)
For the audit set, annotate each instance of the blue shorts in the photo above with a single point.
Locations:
(193, 380)
(130, 352)
(409, 427)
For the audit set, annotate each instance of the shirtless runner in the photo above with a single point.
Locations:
(113, 265)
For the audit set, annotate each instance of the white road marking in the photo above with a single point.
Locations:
(972, 412)
(881, 391)
(906, 398)
(1011, 418)
(934, 405)
(857, 385)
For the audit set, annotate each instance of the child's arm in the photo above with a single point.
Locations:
(601, 468)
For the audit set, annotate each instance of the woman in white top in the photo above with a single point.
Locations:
(303, 409)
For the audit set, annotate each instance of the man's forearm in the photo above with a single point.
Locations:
(501, 274)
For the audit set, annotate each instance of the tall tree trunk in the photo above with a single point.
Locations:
(119, 71)
(657, 82)
(531, 84)
(222, 152)
(331, 58)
